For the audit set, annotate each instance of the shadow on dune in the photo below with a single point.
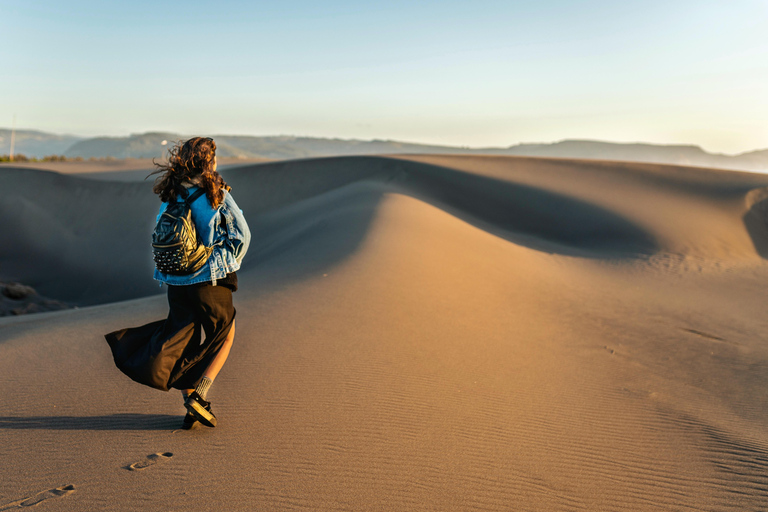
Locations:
(307, 235)
(76, 240)
(316, 233)
(307, 215)
(756, 220)
(529, 216)
(106, 422)
(87, 241)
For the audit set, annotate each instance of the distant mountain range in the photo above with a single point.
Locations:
(148, 145)
(36, 144)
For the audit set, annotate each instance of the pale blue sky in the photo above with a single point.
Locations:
(475, 73)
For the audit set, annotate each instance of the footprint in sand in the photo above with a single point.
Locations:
(151, 460)
(58, 492)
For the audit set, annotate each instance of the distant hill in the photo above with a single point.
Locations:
(149, 145)
(33, 143)
(653, 153)
(145, 145)
(287, 147)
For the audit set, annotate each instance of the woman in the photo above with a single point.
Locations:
(187, 350)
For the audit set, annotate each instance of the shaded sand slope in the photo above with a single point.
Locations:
(85, 241)
(408, 341)
(688, 211)
(74, 239)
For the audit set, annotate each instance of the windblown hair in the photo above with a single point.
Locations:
(190, 161)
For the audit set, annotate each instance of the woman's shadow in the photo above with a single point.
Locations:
(106, 422)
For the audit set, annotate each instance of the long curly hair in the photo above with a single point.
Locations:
(193, 162)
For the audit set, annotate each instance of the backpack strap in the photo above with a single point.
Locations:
(197, 193)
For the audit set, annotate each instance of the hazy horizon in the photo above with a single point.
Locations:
(489, 74)
(5, 141)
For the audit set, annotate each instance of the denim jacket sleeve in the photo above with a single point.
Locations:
(237, 238)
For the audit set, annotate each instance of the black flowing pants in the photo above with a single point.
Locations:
(172, 353)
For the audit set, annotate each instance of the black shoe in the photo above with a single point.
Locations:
(189, 422)
(200, 409)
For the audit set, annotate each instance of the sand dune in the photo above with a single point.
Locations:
(421, 332)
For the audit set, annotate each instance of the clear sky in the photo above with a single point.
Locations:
(473, 73)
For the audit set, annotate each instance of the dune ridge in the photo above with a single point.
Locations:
(420, 332)
(576, 207)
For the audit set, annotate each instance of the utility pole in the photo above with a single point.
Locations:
(13, 136)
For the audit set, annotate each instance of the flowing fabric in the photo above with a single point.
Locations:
(172, 353)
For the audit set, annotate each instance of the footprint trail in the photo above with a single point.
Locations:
(58, 492)
(151, 460)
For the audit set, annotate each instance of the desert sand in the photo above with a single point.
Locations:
(413, 333)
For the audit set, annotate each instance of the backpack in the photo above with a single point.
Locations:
(175, 246)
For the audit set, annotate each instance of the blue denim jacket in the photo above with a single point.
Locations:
(229, 244)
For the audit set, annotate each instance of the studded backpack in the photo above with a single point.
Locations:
(176, 248)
